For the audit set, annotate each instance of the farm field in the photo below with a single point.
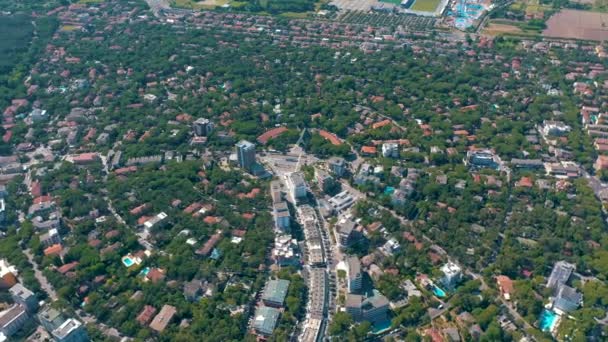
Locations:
(578, 24)
(425, 5)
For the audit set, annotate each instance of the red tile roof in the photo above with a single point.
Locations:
(67, 267)
(42, 199)
(505, 284)
(53, 250)
(155, 275)
(209, 245)
(332, 138)
(211, 220)
(139, 209)
(85, 158)
(146, 315)
(368, 149)
(381, 124)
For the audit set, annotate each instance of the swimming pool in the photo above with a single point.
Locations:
(381, 326)
(145, 271)
(389, 190)
(438, 292)
(548, 320)
(127, 261)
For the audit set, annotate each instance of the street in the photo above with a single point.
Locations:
(44, 283)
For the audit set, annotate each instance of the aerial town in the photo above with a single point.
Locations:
(344, 170)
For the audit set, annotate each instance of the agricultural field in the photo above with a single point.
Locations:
(578, 24)
(425, 5)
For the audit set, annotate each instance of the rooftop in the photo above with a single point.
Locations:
(275, 291)
(265, 319)
(66, 328)
(160, 322)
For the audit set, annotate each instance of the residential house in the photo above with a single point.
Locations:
(560, 274)
(164, 317)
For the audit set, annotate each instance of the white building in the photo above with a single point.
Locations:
(556, 128)
(155, 220)
(390, 150)
(353, 274)
(342, 201)
(71, 330)
(296, 185)
(452, 274)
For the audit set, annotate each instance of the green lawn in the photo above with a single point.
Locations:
(425, 5)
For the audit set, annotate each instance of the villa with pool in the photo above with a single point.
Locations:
(134, 259)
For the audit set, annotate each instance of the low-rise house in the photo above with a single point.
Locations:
(452, 274)
(164, 317)
(567, 299)
(51, 237)
(146, 314)
(55, 249)
(505, 285)
(560, 274)
(194, 290)
(8, 274)
(209, 245)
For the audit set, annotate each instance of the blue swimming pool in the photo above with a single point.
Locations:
(389, 190)
(145, 271)
(438, 292)
(547, 320)
(127, 261)
(381, 326)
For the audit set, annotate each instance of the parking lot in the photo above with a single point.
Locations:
(406, 21)
(359, 5)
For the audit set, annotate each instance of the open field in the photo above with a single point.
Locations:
(69, 28)
(212, 3)
(425, 5)
(578, 25)
(498, 29)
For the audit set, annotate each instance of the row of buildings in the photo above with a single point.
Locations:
(25, 310)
